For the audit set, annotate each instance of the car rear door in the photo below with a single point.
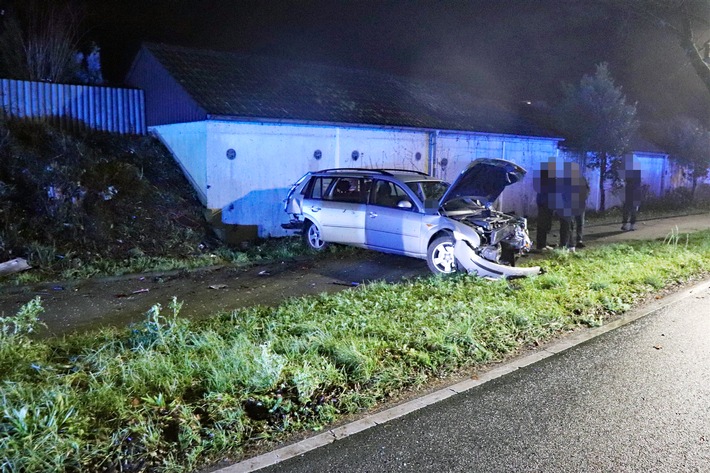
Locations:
(336, 204)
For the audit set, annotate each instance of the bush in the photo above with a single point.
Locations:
(702, 195)
(674, 200)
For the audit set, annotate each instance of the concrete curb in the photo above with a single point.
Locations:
(559, 346)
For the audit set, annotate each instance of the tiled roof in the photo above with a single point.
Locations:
(244, 86)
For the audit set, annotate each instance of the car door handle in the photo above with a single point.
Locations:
(315, 209)
(373, 214)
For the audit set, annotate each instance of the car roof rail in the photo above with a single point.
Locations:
(414, 171)
(384, 172)
(346, 170)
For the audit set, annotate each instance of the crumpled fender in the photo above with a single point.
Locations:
(474, 264)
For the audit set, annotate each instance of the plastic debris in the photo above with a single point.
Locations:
(13, 266)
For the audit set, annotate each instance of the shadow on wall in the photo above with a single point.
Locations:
(259, 214)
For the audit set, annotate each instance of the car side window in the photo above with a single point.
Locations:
(320, 186)
(348, 189)
(388, 194)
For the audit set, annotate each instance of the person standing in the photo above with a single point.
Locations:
(544, 184)
(632, 194)
(573, 191)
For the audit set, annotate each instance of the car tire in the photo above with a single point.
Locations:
(440, 256)
(312, 238)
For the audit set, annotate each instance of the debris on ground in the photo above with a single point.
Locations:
(138, 291)
(350, 284)
(13, 266)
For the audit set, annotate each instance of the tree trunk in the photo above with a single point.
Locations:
(692, 190)
(602, 178)
(695, 57)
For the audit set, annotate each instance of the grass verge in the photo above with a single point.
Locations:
(169, 395)
(265, 251)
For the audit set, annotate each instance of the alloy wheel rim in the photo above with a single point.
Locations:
(314, 237)
(443, 258)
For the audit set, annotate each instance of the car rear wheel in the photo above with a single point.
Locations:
(312, 238)
(440, 256)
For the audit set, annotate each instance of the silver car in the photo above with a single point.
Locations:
(452, 226)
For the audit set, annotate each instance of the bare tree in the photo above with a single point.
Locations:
(596, 121)
(40, 39)
(688, 143)
(684, 18)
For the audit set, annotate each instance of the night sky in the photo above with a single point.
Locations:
(511, 50)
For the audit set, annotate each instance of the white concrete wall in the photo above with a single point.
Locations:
(653, 169)
(188, 144)
(654, 174)
(458, 150)
(270, 157)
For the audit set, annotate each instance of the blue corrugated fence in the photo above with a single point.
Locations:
(75, 106)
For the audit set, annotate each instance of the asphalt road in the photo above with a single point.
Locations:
(635, 399)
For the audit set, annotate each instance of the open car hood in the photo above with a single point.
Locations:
(484, 180)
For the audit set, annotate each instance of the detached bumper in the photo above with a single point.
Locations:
(474, 264)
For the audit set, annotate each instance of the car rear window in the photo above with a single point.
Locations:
(320, 186)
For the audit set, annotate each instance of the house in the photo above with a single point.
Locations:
(244, 128)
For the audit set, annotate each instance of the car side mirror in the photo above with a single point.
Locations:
(404, 204)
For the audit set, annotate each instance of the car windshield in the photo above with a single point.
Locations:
(429, 192)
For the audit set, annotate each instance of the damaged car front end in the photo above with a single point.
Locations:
(486, 242)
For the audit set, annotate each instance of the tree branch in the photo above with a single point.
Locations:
(691, 51)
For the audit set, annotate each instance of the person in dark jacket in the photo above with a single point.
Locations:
(571, 205)
(632, 193)
(544, 181)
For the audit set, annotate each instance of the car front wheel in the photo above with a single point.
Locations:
(312, 238)
(440, 256)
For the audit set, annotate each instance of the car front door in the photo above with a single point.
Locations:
(393, 221)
